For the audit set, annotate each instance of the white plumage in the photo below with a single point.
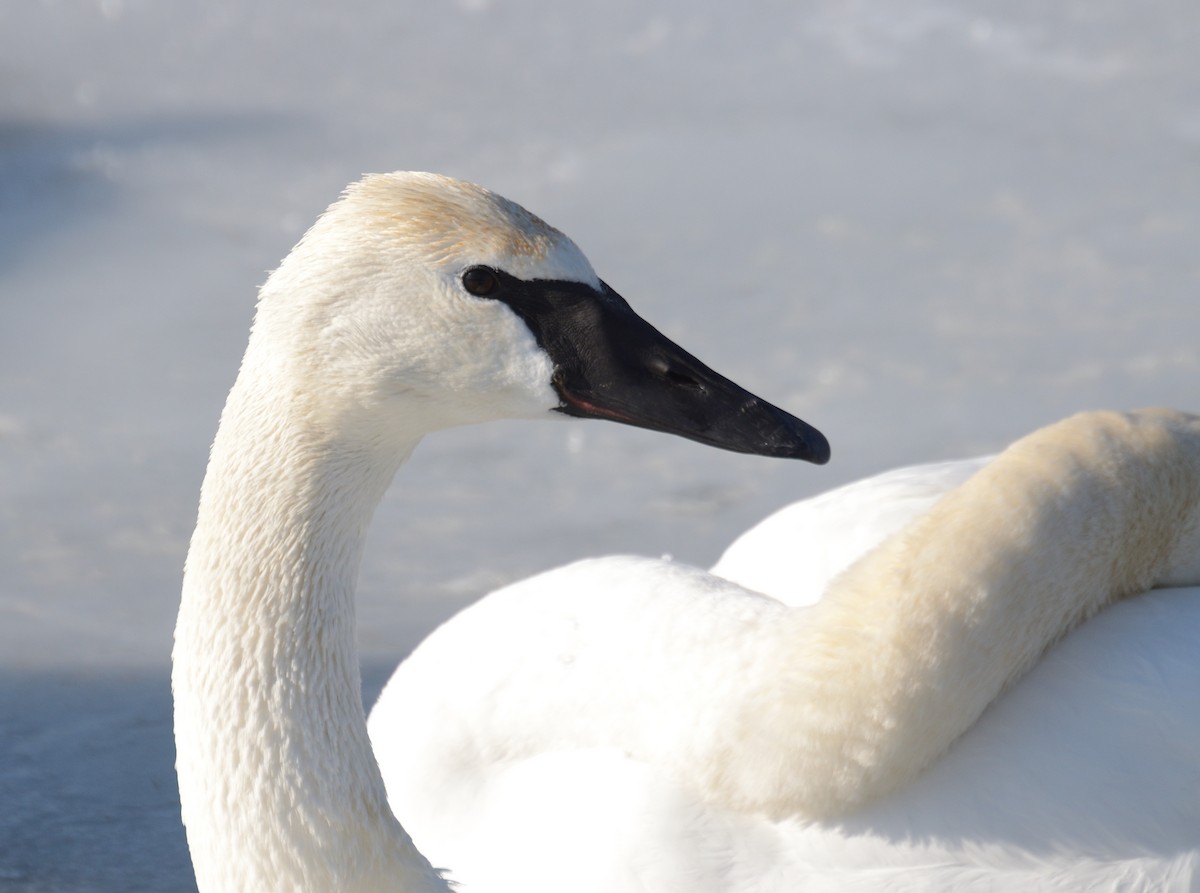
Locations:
(628, 724)
(1083, 776)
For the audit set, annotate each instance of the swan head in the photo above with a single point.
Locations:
(433, 293)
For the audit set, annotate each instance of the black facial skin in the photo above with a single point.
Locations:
(609, 363)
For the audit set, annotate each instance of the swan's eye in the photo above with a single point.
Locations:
(480, 281)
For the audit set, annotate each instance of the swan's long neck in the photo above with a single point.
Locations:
(279, 787)
(911, 644)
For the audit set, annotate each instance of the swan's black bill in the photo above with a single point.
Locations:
(612, 364)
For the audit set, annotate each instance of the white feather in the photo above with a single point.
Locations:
(627, 724)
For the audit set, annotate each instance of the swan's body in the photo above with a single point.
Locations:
(623, 671)
(627, 724)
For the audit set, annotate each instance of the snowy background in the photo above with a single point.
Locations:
(926, 227)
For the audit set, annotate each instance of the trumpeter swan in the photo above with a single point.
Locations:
(413, 304)
(627, 724)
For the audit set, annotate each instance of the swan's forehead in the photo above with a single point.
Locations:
(452, 224)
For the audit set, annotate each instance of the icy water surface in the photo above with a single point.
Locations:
(925, 227)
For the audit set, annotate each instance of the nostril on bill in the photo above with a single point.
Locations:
(677, 376)
(683, 380)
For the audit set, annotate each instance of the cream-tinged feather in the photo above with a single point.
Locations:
(910, 644)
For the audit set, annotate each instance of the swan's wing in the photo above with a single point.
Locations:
(794, 553)
(503, 742)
